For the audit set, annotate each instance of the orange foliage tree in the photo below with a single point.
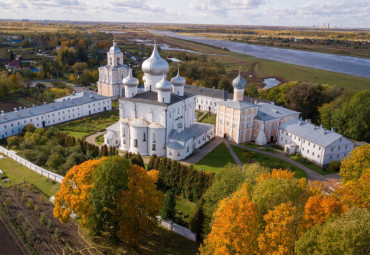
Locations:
(319, 208)
(276, 174)
(235, 226)
(75, 192)
(138, 206)
(355, 164)
(281, 230)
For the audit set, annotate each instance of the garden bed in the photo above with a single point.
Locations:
(32, 216)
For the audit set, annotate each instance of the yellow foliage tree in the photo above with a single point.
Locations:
(138, 206)
(353, 165)
(276, 174)
(235, 226)
(281, 230)
(319, 207)
(355, 192)
(75, 191)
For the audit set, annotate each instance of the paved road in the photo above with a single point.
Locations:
(201, 153)
(312, 175)
(91, 138)
(233, 154)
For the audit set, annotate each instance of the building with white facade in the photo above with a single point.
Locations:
(315, 143)
(160, 120)
(63, 109)
(112, 74)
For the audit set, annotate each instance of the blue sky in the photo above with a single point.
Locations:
(346, 13)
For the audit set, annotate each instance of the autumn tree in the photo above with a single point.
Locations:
(281, 230)
(356, 163)
(75, 192)
(277, 188)
(319, 208)
(235, 226)
(138, 205)
(109, 178)
(304, 98)
(348, 233)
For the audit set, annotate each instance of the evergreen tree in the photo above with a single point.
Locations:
(169, 203)
(152, 162)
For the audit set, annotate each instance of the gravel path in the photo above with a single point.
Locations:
(91, 138)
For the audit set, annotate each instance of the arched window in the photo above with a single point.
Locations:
(144, 139)
(117, 61)
(154, 138)
(110, 61)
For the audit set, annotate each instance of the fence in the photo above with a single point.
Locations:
(33, 167)
(180, 230)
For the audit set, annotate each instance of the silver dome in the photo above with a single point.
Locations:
(178, 80)
(129, 80)
(239, 82)
(164, 84)
(115, 48)
(155, 65)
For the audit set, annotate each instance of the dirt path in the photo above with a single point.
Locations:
(91, 138)
(312, 175)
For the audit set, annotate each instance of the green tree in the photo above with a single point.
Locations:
(169, 204)
(227, 181)
(109, 178)
(348, 233)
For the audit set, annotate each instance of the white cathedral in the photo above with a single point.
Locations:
(159, 118)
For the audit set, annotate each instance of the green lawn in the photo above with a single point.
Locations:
(185, 206)
(208, 118)
(216, 159)
(251, 145)
(268, 161)
(99, 139)
(310, 165)
(76, 134)
(90, 125)
(17, 173)
(198, 113)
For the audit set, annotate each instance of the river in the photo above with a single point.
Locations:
(329, 62)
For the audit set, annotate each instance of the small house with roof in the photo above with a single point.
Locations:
(314, 143)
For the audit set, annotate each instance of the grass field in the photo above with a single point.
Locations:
(185, 206)
(264, 68)
(18, 173)
(216, 159)
(99, 139)
(208, 118)
(89, 125)
(268, 161)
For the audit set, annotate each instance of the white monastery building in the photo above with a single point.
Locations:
(314, 143)
(63, 109)
(111, 75)
(161, 119)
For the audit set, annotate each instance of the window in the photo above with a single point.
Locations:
(331, 156)
(313, 153)
(308, 151)
(117, 61)
(299, 139)
(135, 142)
(309, 143)
(187, 149)
(346, 147)
(337, 155)
(178, 154)
(332, 149)
(318, 156)
(144, 139)
(170, 153)
(338, 148)
(154, 138)
(153, 147)
(314, 145)
(123, 132)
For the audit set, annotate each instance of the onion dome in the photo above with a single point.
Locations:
(129, 80)
(155, 65)
(178, 80)
(239, 82)
(164, 84)
(115, 48)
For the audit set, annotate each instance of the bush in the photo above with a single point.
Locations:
(29, 204)
(49, 224)
(57, 234)
(36, 208)
(31, 233)
(24, 196)
(334, 165)
(43, 219)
